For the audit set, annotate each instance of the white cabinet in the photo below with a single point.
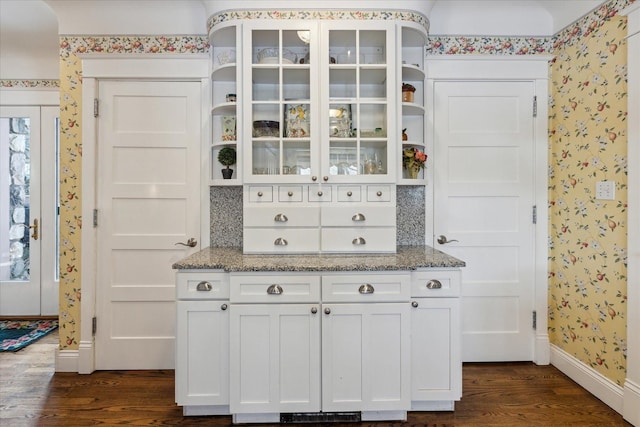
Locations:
(202, 343)
(436, 365)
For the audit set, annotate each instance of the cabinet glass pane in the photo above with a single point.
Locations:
(297, 84)
(265, 45)
(266, 84)
(342, 83)
(373, 83)
(295, 46)
(344, 158)
(296, 157)
(265, 155)
(371, 120)
(373, 157)
(373, 47)
(341, 120)
(342, 47)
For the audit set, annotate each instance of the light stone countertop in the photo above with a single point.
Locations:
(233, 260)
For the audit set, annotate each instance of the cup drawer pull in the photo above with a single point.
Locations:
(275, 290)
(366, 289)
(204, 286)
(434, 284)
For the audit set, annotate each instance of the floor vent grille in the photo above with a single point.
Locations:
(321, 417)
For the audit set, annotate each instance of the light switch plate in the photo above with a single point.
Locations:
(606, 190)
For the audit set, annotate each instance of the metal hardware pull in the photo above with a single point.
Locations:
(379, 193)
(274, 290)
(320, 193)
(434, 284)
(349, 193)
(35, 227)
(280, 242)
(366, 289)
(327, 310)
(442, 239)
(359, 241)
(260, 193)
(325, 178)
(190, 243)
(314, 310)
(358, 217)
(280, 218)
(414, 304)
(290, 193)
(204, 286)
(223, 307)
(314, 178)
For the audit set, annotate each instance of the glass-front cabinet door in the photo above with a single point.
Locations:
(281, 112)
(358, 130)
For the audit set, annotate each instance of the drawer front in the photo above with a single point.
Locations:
(319, 194)
(202, 286)
(359, 216)
(379, 193)
(275, 288)
(281, 216)
(290, 193)
(260, 194)
(435, 283)
(281, 240)
(354, 239)
(349, 193)
(370, 287)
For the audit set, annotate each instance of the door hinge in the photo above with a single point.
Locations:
(534, 214)
(96, 109)
(535, 106)
(94, 325)
(95, 217)
(534, 320)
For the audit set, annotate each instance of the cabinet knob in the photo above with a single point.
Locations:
(280, 242)
(366, 289)
(290, 193)
(325, 178)
(204, 286)
(223, 307)
(379, 193)
(320, 193)
(314, 178)
(358, 217)
(359, 241)
(327, 310)
(414, 304)
(275, 290)
(280, 218)
(259, 193)
(349, 193)
(434, 284)
(314, 310)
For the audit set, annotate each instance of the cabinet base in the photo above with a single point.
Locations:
(323, 417)
(433, 405)
(201, 410)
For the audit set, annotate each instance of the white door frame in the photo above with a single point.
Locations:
(47, 98)
(193, 67)
(507, 68)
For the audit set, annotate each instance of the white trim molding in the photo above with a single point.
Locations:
(592, 381)
(66, 361)
(96, 68)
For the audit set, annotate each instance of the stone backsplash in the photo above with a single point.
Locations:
(226, 216)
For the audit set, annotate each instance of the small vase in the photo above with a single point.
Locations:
(414, 172)
(227, 173)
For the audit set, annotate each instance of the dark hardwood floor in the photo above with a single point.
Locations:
(504, 394)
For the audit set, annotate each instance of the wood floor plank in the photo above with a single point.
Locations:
(495, 395)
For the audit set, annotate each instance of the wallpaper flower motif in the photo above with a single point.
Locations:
(587, 237)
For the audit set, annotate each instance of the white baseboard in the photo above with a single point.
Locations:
(66, 360)
(595, 383)
(542, 350)
(632, 402)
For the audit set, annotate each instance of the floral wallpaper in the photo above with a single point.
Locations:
(39, 84)
(587, 236)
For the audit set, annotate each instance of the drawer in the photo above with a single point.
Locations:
(319, 194)
(349, 193)
(260, 194)
(290, 193)
(358, 239)
(369, 287)
(379, 193)
(275, 288)
(446, 283)
(189, 287)
(359, 216)
(294, 240)
(281, 216)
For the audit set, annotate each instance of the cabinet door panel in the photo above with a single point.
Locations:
(436, 367)
(202, 353)
(365, 357)
(275, 358)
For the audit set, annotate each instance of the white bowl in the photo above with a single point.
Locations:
(270, 56)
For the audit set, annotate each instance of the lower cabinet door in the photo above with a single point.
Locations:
(275, 358)
(436, 366)
(365, 357)
(202, 353)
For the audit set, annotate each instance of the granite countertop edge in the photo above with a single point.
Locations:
(231, 259)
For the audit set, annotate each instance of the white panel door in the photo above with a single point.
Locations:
(483, 202)
(148, 201)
